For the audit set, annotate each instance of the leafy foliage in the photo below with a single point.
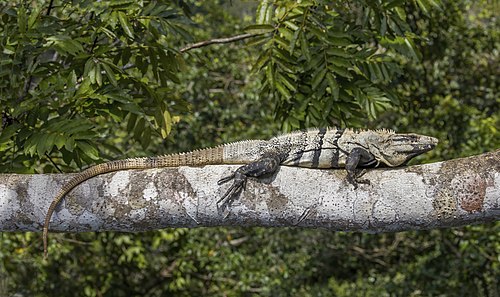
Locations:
(71, 74)
(330, 62)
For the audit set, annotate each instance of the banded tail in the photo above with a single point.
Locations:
(208, 156)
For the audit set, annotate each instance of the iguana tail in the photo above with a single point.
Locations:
(195, 158)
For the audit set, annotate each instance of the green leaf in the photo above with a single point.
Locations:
(315, 62)
(146, 137)
(132, 107)
(304, 46)
(282, 89)
(75, 126)
(124, 22)
(319, 33)
(257, 40)
(262, 61)
(32, 143)
(122, 4)
(69, 145)
(46, 144)
(270, 75)
(21, 19)
(59, 140)
(67, 156)
(286, 33)
(139, 128)
(334, 86)
(65, 44)
(339, 61)
(338, 52)
(264, 12)
(424, 5)
(33, 17)
(164, 122)
(181, 63)
(321, 89)
(412, 49)
(318, 76)
(340, 71)
(383, 25)
(132, 119)
(71, 80)
(395, 3)
(88, 149)
(336, 41)
(88, 69)
(293, 41)
(287, 81)
(291, 25)
(8, 50)
(281, 41)
(169, 63)
(314, 113)
(78, 157)
(376, 72)
(259, 29)
(110, 74)
(98, 75)
(85, 88)
(8, 132)
(92, 74)
(385, 73)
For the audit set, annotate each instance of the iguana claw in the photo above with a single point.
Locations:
(225, 179)
(261, 167)
(354, 178)
(239, 184)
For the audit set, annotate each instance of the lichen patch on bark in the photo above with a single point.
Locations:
(471, 191)
(467, 191)
(444, 204)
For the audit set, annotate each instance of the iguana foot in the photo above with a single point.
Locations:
(353, 177)
(356, 157)
(263, 166)
(239, 184)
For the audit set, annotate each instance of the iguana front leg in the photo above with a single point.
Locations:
(264, 166)
(358, 157)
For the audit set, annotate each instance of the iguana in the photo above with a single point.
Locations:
(314, 148)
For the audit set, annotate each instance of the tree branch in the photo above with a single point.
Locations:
(206, 43)
(217, 41)
(49, 9)
(444, 194)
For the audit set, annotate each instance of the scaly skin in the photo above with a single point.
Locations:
(314, 148)
(195, 158)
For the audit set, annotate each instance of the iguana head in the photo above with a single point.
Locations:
(394, 149)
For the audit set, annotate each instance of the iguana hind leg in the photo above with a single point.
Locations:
(263, 166)
(358, 157)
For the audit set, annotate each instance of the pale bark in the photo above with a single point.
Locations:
(451, 193)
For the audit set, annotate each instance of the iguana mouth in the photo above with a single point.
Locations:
(421, 145)
(422, 148)
(418, 149)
